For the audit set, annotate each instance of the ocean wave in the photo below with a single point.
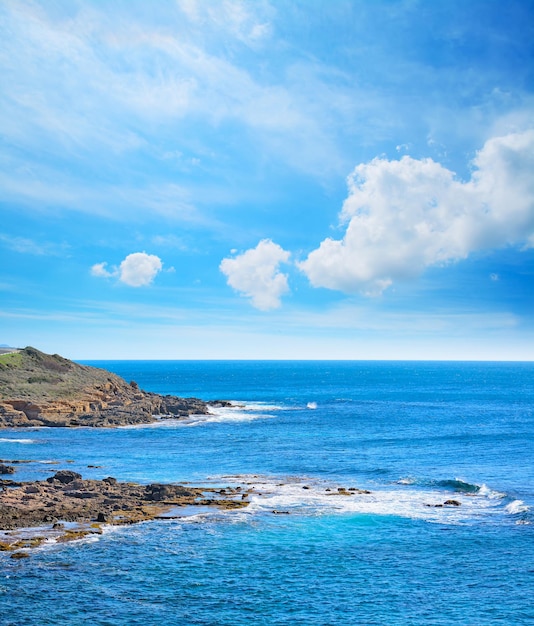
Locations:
(235, 413)
(307, 496)
(228, 414)
(453, 485)
(406, 481)
(8, 440)
(457, 484)
(257, 406)
(491, 493)
(517, 507)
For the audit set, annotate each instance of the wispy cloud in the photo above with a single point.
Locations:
(25, 245)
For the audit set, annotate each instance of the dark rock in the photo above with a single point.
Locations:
(64, 477)
(6, 469)
(101, 518)
(158, 492)
(452, 503)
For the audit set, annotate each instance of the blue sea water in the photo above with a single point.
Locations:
(413, 434)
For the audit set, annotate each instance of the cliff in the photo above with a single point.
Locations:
(38, 389)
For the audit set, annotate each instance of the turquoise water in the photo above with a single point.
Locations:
(413, 434)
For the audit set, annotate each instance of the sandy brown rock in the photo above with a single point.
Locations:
(67, 497)
(38, 389)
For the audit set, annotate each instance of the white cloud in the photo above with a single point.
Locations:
(99, 270)
(255, 274)
(137, 270)
(404, 216)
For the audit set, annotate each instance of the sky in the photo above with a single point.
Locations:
(255, 179)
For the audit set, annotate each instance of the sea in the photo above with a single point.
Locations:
(444, 536)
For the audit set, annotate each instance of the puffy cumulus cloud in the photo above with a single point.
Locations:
(137, 270)
(404, 216)
(255, 274)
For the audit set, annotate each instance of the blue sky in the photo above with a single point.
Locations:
(329, 179)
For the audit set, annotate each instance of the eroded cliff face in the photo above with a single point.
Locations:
(38, 389)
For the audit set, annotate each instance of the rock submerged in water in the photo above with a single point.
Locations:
(446, 503)
(38, 389)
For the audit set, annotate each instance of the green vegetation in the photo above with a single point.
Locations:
(44, 379)
(10, 359)
(36, 376)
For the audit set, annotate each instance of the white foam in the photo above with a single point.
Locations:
(236, 413)
(311, 405)
(490, 493)
(406, 481)
(166, 422)
(516, 507)
(6, 440)
(311, 497)
(257, 406)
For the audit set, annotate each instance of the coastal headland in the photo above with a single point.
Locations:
(38, 389)
(47, 390)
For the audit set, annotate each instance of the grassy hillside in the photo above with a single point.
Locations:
(35, 375)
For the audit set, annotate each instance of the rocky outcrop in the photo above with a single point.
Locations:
(38, 389)
(67, 497)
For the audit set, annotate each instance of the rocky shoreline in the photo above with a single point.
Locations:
(38, 389)
(47, 508)
(46, 390)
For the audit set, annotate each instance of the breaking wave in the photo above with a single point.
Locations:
(517, 507)
(456, 484)
(236, 413)
(306, 496)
